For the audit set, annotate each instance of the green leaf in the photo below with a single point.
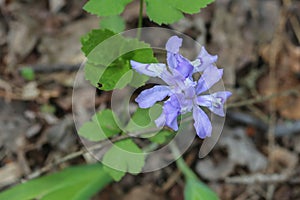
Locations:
(162, 137)
(94, 38)
(114, 174)
(114, 23)
(109, 58)
(93, 73)
(123, 156)
(170, 11)
(163, 12)
(74, 183)
(27, 73)
(105, 7)
(144, 118)
(191, 6)
(196, 190)
(108, 122)
(138, 80)
(102, 126)
(117, 75)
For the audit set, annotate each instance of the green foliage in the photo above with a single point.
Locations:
(144, 118)
(123, 156)
(196, 190)
(103, 8)
(159, 11)
(47, 108)
(109, 58)
(27, 73)
(93, 38)
(117, 75)
(162, 137)
(138, 80)
(163, 12)
(102, 126)
(114, 23)
(74, 183)
(170, 11)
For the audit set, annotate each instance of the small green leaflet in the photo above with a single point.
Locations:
(144, 118)
(162, 137)
(109, 58)
(103, 8)
(114, 23)
(102, 126)
(170, 11)
(124, 156)
(196, 190)
(74, 183)
(27, 73)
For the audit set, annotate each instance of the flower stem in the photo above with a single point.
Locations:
(184, 168)
(140, 23)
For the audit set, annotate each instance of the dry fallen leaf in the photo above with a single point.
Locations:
(237, 29)
(9, 174)
(23, 35)
(241, 151)
(287, 71)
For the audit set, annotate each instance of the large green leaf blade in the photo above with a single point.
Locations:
(88, 179)
(195, 190)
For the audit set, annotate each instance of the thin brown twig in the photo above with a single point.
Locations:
(263, 98)
(258, 178)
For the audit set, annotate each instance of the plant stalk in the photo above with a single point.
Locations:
(140, 22)
(184, 168)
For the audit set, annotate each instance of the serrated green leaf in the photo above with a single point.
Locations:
(94, 38)
(91, 131)
(191, 6)
(170, 11)
(117, 75)
(114, 23)
(123, 156)
(108, 122)
(93, 73)
(109, 58)
(74, 183)
(162, 12)
(196, 190)
(102, 126)
(105, 7)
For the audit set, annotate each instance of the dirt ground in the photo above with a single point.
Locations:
(258, 44)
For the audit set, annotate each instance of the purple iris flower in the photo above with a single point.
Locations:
(185, 94)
